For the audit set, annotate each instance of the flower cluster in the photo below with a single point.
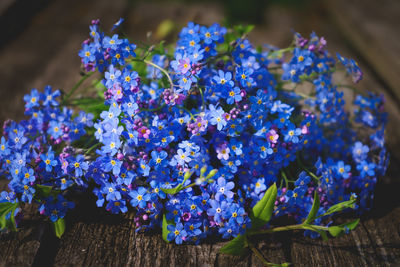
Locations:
(192, 138)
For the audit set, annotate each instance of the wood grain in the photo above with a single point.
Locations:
(47, 53)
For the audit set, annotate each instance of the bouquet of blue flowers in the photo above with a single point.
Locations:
(210, 136)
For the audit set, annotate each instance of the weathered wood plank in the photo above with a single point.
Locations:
(373, 29)
(43, 60)
(94, 237)
(98, 238)
(47, 52)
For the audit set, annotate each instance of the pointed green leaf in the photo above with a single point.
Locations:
(43, 190)
(248, 28)
(319, 231)
(59, 227)
(236, 246)
(165, 230)
(262, 211)
(8, 208)
(335, 230)
(340, 229)
(11, 225)
(351, 225)
(314, 209)
(172, 191)
(3, 222)
(339, 207)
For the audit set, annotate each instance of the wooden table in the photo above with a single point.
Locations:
(45, 52)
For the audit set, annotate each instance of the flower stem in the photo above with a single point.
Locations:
(162, 70)
(259, 255)
(76, 86)
(90, 149)
(286, 179)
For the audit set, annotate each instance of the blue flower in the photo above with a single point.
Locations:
(112, 164)
(259, 186)
(223, 80)
(229, 230)
(32, 100)
(216, 117)
(27, 175)
(78, 165)
(366, 168)
(158, 159)
(49, 97)
(117, 206)
(111, 192)
(360, 151)
(139, 197)
(112, 42)
(243, 75)
(48, 161)
(182, 157)
(234, 96)
(4, 148)
(235, 214)
(224, 189)
(217, 210)
(87, 54)
(292, 134)
(111, 76)
(176, 232)
(144, 169)
(303, 179)
(342, 170)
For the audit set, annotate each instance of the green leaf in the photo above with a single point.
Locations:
(241, 29)
(319, 231)
(340, 206)
(262, 211)
(3, 222)
(159, 49)
(8, 208)
(43, 190)
(165, 230)
(314, 209)
(172, 191)
(236, 246)
(59, 227)
(340, 229)
(335, 230)
(5, 207)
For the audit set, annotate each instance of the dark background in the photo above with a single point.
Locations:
(39, 43)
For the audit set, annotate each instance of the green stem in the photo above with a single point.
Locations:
(188, 111)
(316, 178)
(162, 70)
(90, 149)
(76, 86)
(278, 229)
(289, 228)
(286, 179)
(258, 254)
